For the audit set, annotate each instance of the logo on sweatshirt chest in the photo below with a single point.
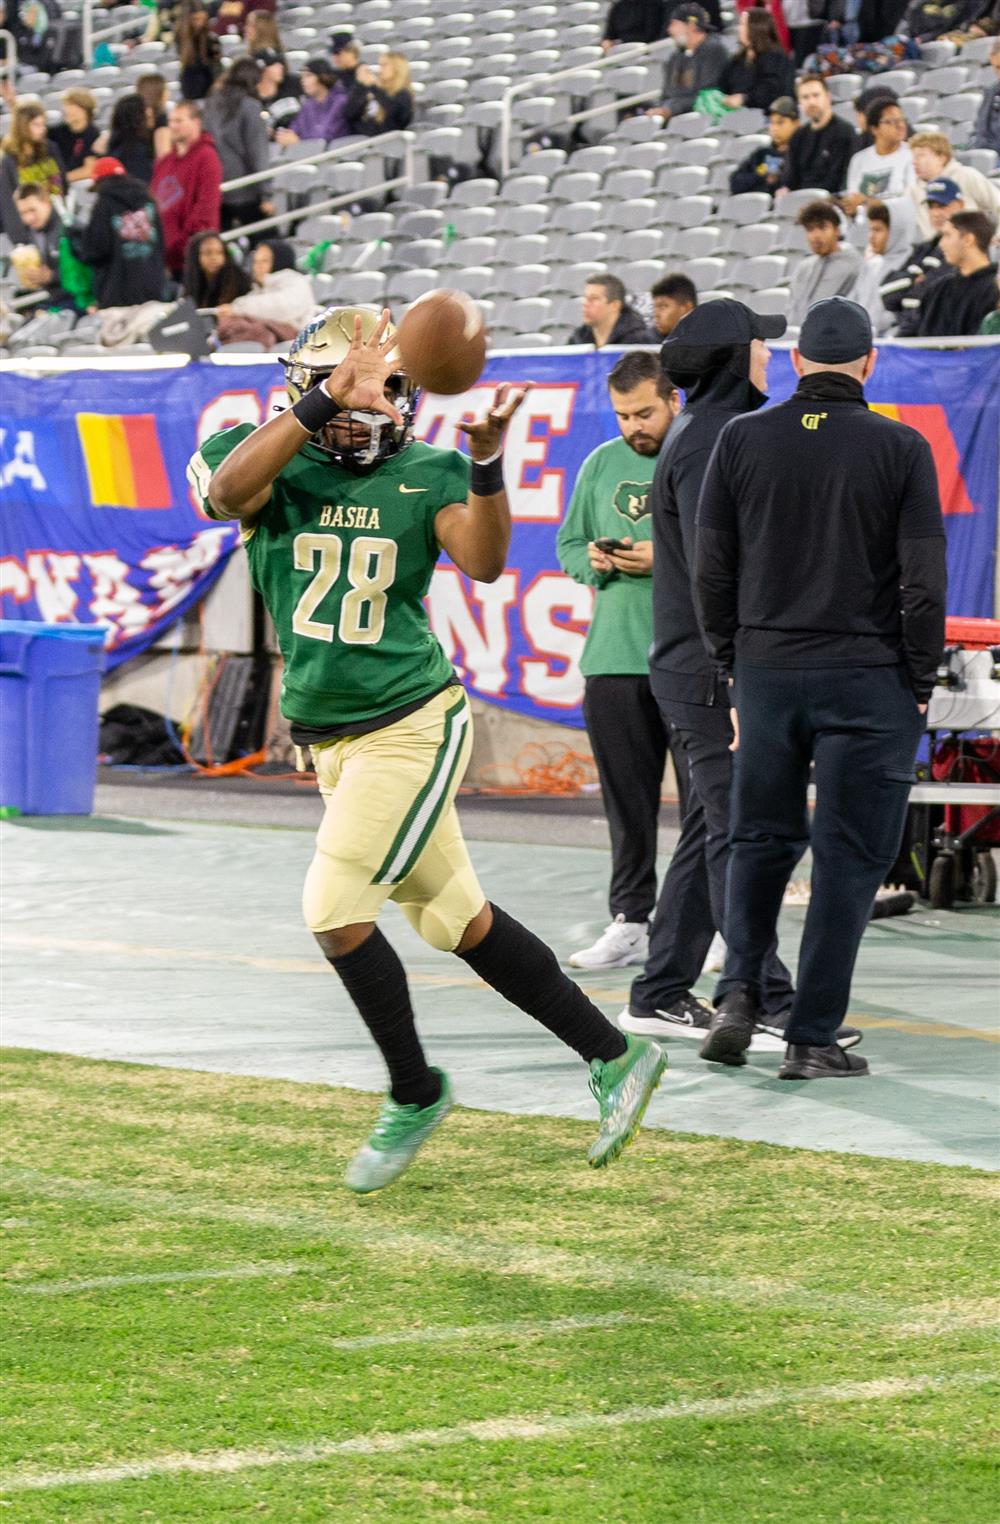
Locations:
(630, 500)
(812, 421)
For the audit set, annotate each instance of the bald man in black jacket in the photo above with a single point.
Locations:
(820, 586)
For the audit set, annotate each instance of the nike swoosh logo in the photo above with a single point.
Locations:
(413, 489)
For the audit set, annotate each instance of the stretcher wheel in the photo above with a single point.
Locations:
(941, 883)
(982, 885)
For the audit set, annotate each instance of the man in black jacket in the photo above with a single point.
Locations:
(122, 242)
(818, 156)
(718, 356)
(607, 317)
(958, 304)
(820, 585)
(635, 21)
(903, 290)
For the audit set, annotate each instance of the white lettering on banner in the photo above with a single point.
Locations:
(175, 567)
(226, 411)
(51, 573)
(114, 601)
(484, 643)
(14, 580)
(22, 465)
(551, 637)
(535, 493)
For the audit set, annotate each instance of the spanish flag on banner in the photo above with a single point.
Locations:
(124, 462)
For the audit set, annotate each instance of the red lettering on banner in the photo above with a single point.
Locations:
(223, 412)
(931, 420)
(484, 642)
(51, 572)
(555, 640)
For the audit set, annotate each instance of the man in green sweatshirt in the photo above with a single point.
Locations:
(605, 542)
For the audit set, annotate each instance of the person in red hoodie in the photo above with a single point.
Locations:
(186, 184)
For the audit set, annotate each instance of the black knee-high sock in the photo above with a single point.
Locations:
(520, 966)
(375, 979)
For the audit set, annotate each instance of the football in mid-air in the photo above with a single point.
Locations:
(442, 342)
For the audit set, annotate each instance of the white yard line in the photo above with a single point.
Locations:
(544, 1426)
(154, 1278)
(515, 1328)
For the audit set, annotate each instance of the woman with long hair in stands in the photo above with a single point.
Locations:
(212, 278)
(261, 31)
(234, 118)
(198, 50)
(761, 70)
(155, 91)
(389, 106)
(130, 137)
(27, 157)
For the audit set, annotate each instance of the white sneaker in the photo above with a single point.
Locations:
(621, 943)
(715, 958)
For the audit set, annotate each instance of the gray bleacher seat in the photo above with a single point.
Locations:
(578, 217)
(787, 208)
(705, 272)
(575, 276)
(427, 223)
(690, 124)
(639, 129)
(844, 87)
(527, 280)
(691, 211)
(524, 249)
(407, 285)
(749, 207)
(753, 239)
(627, 215)
(756, 274)
(627, 183)
(643, 243)
(531, 217)
(530, 340)
(744, 119)
(372, 225)
(523, 189)
(574, 247)
(775, 299)
(653, 155)
(702, 151)
(575, 185)
(695, 243)
(471, 221)
(529, 312)
(365, 287)
(960, 110)
(945, 81)
(639, 274)
(935, 53)
(420, 253)
(598, 156)
(977, 50)
(471, 251)
(477, 281)
(681, 180)
(983, 159)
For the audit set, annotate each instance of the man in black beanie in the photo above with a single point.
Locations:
(820, 585)
(717, 354)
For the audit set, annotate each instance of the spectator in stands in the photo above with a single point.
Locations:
(27, 157)
(990, 326)
(927, 19)
(607, 317)
(805, 27)
(198, 50)
(775, 9)
(277, 90)
(958, 304)
(818, 156)
(212, 278)
(634, 21)
(345, 56)
(907, 282)
(234, 118)
(75, 136)
(987, 129)
(232, 17)
(122, 242)
(697, 65)
(261, 31)
(883, 172)
(830, 269)
(761, 70)
(186, 184)
(934, 159)
(890, 237)
(279, 303)
(765, 168)
(325, 112)
(862, 105)
(388, 95)
(153, 90)
(131, 139)
(628, 736)
(673, 298)
(35, 258)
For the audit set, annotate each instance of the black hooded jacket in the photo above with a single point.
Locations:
(957, 304)
(123, 244)
(680, 667)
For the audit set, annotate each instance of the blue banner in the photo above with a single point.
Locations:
(98, 523)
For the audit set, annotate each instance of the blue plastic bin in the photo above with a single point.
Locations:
(50, 682)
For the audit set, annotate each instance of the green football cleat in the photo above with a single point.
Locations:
(622, 1089)
(396, 1136)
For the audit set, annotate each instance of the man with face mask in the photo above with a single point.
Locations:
(718, 356)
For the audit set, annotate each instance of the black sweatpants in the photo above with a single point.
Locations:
(629, 739)
(861, 726)
(692, 901)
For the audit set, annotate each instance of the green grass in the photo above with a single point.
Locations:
(741, 1269)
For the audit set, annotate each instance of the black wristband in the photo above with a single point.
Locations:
(316, 409)
(486, 478)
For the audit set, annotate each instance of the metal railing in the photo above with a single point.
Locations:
(118, 29)
(312, 210)
(328, 155)
(9, 65)
(536, 84)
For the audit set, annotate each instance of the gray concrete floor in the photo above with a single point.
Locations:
(165, 929)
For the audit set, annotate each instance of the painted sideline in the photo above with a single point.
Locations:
(544, 1426)
(153, 1278)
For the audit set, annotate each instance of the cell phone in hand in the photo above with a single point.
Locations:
(607, 544)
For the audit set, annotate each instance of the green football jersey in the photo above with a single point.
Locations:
(343, 563)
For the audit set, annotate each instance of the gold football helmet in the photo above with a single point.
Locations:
(360, 440)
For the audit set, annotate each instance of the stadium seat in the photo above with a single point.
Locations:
(407, 285)
(749, 207)
(691, 211)
(776, 300)
(694, 243)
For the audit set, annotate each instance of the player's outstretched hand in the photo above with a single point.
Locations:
(485, 435)
(358, 383)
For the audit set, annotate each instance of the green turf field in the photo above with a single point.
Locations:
(201, 1325)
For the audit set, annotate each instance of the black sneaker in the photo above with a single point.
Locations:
(732, 1028)
(688, 1017)
(769, 1036)
(805, 1062)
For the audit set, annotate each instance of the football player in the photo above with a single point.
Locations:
(343, 517)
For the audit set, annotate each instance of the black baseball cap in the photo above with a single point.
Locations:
(835, 332)
(722, 321)
(694, 15)
(264, 57)
(339, 40)
(784, 106)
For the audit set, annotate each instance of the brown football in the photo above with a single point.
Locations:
(442, 342)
